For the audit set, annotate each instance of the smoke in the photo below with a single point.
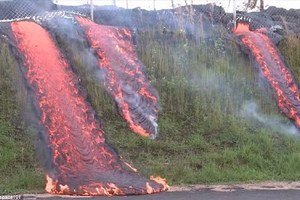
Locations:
(251, 110)
(122, 75)
(75, 133)
(124, 78)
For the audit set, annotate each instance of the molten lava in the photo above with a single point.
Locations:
(273, 69)
(122, 76)
(82, 162)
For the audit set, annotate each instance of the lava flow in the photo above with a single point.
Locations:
(122, 76)
(273, 69)
(82, 162)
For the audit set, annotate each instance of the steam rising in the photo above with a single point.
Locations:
(123, 77)
(251, 110)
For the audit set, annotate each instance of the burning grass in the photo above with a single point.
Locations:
(273, 69)
(82, 163)
(122, 76)
(203, 138)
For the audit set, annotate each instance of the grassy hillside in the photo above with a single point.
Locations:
(206, 133)
(290, 48)
(205, 137)
(209, 131)
(18, 165)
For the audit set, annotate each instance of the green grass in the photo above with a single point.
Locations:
(19, 171)
(290, 48)
(203, 135)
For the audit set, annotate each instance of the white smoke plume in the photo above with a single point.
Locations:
(251, 110)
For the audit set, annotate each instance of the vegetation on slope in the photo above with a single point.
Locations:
(290, 48)
(207, 134)
(19, 171)
(204, 136)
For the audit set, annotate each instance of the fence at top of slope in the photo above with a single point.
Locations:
(16, 9)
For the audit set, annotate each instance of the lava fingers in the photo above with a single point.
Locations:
(273, 69)
(82, 162)
(122, 76)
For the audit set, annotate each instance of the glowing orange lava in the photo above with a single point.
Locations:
(123, 77)
(273, 69)
(82, 162)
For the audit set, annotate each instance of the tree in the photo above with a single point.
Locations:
(253, 3)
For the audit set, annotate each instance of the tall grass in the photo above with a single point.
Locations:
(196, 76)
(290, 48)
(18, 167)
(203, 136)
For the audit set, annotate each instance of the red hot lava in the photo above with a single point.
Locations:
(273, 69)
(83, 163)
(122, 76)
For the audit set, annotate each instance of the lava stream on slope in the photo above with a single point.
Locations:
(273, 69)
(82, 162)
(122, 76)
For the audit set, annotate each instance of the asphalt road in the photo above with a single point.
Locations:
(198, 195)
